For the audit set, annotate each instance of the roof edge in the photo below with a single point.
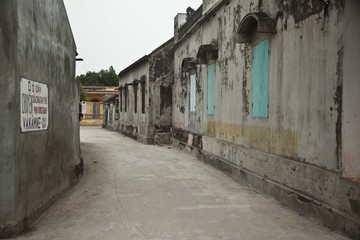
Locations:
(133, 65)
(144, 58)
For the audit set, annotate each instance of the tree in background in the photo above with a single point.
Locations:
(82, 94)
(101, 78)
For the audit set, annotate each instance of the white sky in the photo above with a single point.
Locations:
(117, 33)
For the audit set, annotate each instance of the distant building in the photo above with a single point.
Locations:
(146, 95)
(93, 108)
(39, 120)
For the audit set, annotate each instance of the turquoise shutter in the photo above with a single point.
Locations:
(211, 89)
(193, 93)
(261, 80)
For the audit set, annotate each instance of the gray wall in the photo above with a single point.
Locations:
(131, 123)
(298, 148)
(38, 166)
(351, 102)
(161, 77)
(10, 109)
(156, 69)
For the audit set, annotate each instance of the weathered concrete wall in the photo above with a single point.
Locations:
(298, 147)
(161, 77)
(131, 123)
(351, 94)
(36, 44)
(8, 36)
(155, 71)
(288, 111)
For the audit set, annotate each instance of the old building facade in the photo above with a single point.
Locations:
(111, 111)
(145, 95)
(39, 122)
(93, 107)
(268, 91)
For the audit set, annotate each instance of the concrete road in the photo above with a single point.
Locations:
(134, 191)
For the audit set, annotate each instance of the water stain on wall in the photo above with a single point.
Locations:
(278, 141)
(338, 103)
(246, 52)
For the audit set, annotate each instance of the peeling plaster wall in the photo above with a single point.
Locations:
(351, 92)
(161, 78)
(157, 72)
(182, 118)
(36, 43)
(8, 35)
(299, 145)
(131, 123)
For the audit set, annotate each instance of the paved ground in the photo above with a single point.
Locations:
(133, 191)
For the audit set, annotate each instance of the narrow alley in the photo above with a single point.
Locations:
(135, 191)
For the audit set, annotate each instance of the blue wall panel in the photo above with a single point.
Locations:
(261, 80)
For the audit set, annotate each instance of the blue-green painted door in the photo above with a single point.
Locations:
(211, 88)
(261, 80)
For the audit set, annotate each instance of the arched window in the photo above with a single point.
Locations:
(253, 24)
(256, 29)
(208, 54)
(189, 65)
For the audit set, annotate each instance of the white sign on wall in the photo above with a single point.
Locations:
(34, 111)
